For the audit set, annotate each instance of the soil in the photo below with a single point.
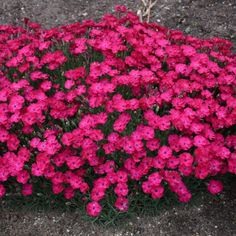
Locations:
(202, 18)
(209, 216)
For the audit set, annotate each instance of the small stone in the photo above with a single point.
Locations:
(188, 29)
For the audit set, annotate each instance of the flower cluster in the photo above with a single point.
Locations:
(98, 106)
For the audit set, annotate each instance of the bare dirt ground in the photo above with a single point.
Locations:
(202, 18)
(206, 217)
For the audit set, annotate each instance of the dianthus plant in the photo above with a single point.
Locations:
(102, 106)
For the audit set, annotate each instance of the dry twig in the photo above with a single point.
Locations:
(145, 10)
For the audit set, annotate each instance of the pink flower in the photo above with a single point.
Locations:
(97, 194)
(23, 177)
(27, 189)
(46, 85)
(57, 188)
(215, 186)
(201, 171)
(164, 123)
(69, 193)
(159, 163)
(84, 187)
(49, 172)
(76, 182)
(29, 118)
(122, 176)
(58, 178)
(224, 153)
(121, 123)
(16, 103)
(133, 104)
(69, 84)
(197, 128)
(147, 132)
(120, 8)
(2, 190)
(147, 187)
(24, 154)
(165, 152)
(75, 74)
(37, 170)
(157, 192)
(109, 148)
(93, 209)
(36, 75)
(67, 138)
(232, 166)
(128, 146)
(13, 142)
(185, 170)
(172, 162)
(155, 179)
(185, 197)
(153, 144)
(121, 189)
(79, 47)
(185, 143)
(186, 159)
(188, 50)
(181, 68)
(112, 177)
(74, 162)
(3, 135)
(122, 204)
(136, 174)
(200, 141)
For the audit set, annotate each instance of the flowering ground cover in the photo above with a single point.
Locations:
(115, 109)
(204, 214)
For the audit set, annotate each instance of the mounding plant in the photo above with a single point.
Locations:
(115, 108)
